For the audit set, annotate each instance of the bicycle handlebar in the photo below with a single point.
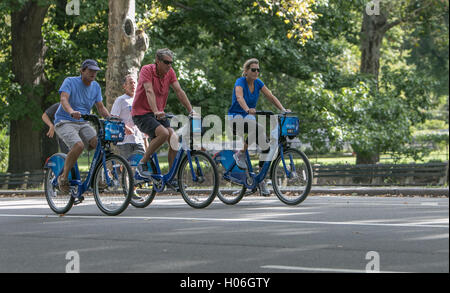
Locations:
(91, 117)
(262, 112)
(170, 115)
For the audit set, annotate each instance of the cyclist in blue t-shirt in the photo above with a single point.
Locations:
(245, 97)
(78, 95)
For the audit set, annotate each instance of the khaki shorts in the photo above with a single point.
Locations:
(73, 132)
(126, 149)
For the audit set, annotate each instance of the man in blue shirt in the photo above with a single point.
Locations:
(78, 95)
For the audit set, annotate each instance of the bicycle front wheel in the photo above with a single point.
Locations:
(198, 180)
(291, 177)
(113, 185)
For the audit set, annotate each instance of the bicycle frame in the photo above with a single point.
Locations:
(163, 179)
(57, 164)
(239, 176)
(170, 175)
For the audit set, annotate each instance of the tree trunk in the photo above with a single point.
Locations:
(126, 47)
(367, 158)
(372, 32)
(27, 54)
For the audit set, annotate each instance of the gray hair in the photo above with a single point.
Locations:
(161, 52)
(247, 65)
(124, 79)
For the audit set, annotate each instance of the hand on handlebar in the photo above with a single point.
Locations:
(194, 114)
(76, 115)
(160, 115)
(252, 111)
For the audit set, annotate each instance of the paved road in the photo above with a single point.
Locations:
(259, 235)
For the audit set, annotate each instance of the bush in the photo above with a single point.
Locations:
(4, 150)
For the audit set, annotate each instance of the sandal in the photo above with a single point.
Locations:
(63, 185)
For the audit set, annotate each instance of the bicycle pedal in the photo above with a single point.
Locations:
(174, 188)
(250, 192)
(78, 200)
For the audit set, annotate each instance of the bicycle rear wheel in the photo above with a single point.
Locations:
(58, 202)
(113, 198)
(229, 192)
(199, 190)
(291, 177)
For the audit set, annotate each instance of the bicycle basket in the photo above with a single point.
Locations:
(114, 130)
(290, 126)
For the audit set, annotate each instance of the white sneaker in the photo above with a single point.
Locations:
(263, 189)
(241, 159)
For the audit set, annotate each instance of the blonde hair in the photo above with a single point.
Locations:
(247, 65)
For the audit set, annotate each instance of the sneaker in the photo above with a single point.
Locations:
(136, 197)
(263, 189)
(173, 185)
(63, 185)
(143, 171)
(241, 159)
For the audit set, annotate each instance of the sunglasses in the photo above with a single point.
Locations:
(255, 69)
(167, 62)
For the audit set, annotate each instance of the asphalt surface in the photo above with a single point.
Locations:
(316, 190)
(338, 234)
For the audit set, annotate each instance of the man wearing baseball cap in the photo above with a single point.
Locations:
(78, 95)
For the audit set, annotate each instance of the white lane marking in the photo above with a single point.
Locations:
(431, 204)
(429, 237)
(249, 220)
(292, 268)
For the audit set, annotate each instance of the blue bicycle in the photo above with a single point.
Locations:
(109, 178)
(196, 173)
(290, 172)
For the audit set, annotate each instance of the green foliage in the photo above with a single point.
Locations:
(4, 149)
(313, 72)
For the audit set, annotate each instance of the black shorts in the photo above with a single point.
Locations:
(147, 123)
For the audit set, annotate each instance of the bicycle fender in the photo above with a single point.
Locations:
(56, 163)
(134, 159)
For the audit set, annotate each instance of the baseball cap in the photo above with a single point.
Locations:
(90, 64)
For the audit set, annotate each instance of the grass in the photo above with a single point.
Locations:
(384, 159)
(321, 159)
(84, 161)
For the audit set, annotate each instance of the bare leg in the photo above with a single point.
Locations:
(162, 134)
(172, 151)
(71, 159)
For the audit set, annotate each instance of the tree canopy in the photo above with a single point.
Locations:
(309, 50)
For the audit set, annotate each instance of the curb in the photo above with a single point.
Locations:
(405, 191)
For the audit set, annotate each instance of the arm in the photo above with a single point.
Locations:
(51, 130)
(66, 106)
(182, 96)
(272, 98)
(241, 101)
(102, 110)
(151, 98)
